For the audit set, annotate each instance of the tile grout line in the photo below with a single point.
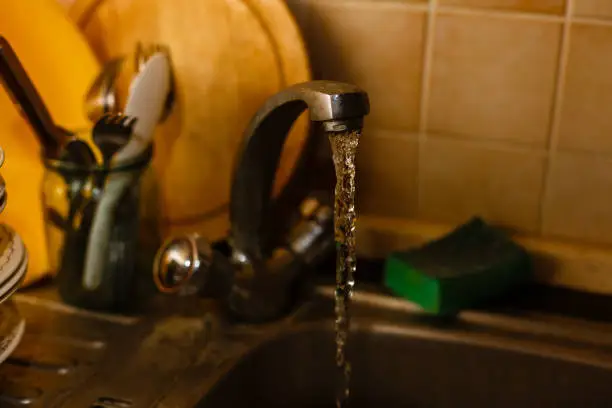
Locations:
(555, 125)
(425, 94)
(524, 15)
(597, 21)
(481, 12)
(487, 144)
(427, 64)
(515, 14)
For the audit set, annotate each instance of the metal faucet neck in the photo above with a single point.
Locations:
(339, 106)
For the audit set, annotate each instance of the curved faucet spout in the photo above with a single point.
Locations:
(262, 271)
(340, 106)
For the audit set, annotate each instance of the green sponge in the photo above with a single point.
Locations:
(472, 264)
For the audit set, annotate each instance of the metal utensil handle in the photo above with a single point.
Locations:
(23, 93)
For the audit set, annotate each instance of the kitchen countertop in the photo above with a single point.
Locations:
(73, 358)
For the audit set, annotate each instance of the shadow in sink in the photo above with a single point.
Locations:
(395, 368)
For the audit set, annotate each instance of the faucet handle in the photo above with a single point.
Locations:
(182, 264)
(189, 264)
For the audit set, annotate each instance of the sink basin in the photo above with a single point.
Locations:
(410, 365)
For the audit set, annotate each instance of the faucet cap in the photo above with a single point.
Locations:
(178, 260)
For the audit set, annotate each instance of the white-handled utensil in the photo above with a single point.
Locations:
(146, 99)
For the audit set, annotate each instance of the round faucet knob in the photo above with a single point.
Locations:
(178, 261)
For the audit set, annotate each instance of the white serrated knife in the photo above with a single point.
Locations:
(146, 100)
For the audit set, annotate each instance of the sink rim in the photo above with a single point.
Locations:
(550, 326)
(519, 343)
(551, 337)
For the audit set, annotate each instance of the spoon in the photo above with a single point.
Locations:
(78, 152)
(101, 97)
(141, 56)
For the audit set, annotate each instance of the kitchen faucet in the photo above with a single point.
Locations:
(259, 270)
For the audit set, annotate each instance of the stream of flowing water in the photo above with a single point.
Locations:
(344, 149)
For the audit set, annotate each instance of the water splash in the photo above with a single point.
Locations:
(344, 149)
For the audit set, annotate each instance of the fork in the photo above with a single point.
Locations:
(111, 132)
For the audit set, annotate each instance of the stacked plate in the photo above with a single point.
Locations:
(13, 262)
(13, 266)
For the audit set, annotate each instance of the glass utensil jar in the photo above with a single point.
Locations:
(71, 198)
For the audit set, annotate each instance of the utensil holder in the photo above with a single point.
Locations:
(71, 197)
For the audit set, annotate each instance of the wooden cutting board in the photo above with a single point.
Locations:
(228, 57)
(62, 67)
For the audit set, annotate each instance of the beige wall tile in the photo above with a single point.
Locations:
(593, 8)
(537, 6)
(586, 118)
(461, 179)
(579, 198)
(376, 46)
(386, 174)
(493, 78)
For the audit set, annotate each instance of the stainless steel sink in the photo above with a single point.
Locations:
(409, 360)
(394, 368)
(192, 357)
